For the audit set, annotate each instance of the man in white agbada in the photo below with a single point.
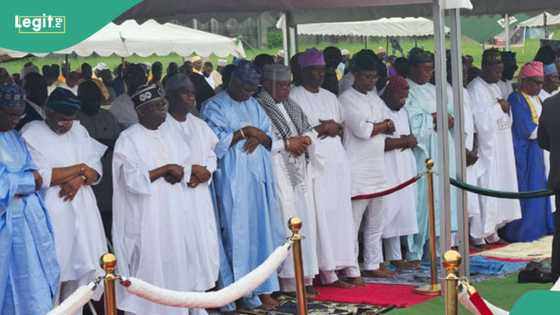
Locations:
(364, 140)
(201, 141)
(331, 190)
(294, 165)
(400, 166)
(492, 119)
(69, 161)
(163, 226)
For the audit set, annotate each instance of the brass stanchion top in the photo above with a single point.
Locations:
(451, 261)
(295, 224)
(108, 262)
(429, 164)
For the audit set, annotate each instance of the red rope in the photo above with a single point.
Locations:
(390, 190)
(480, 305)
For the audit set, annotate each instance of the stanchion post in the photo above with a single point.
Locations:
(295, 224)
(434, 288)
(451, 263)
(109, 264)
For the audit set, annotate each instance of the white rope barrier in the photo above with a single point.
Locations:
(214, 299)
(556, 286)
(75, 301)
(465, 301)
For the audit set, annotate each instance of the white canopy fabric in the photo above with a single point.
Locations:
(318, 11)
(538, 21)
(149, 38)
(386, 27)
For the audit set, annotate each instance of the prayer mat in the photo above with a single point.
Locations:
(288, 306)
(537, 250)
(375, 294)
(482, 268)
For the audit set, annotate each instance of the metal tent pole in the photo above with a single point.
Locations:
(506, 27)
(285, 40)
(545, 24)
(442, 160)
(292, 34)
(459, 136)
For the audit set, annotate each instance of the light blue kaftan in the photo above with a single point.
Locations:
(249, 219)
(420, 105)
(29, 271)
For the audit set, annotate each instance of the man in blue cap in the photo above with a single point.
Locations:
(69, 161)
(551, 84)
(28, 268)
(251, 223)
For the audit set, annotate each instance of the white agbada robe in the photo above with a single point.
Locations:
(201, 141)
(158, 234)
(497, 159)
(78, 229)
(367, 164)
(543, 95)
(331, 189)
(400, 166)
(295, 198)
(473, 171)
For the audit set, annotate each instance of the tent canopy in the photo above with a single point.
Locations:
(385, 27)
(316, 11)
(149, 38)
(538, 21)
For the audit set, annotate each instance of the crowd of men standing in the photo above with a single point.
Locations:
(193, 175)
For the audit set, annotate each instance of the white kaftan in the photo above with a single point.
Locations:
(331, 189)
(367, 164)
(400, 166)
(295, 198)
(497, 159)
(473, 171)
(78, 230)
(201, 141)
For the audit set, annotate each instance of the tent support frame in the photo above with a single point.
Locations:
(442, 160)
(459, 137)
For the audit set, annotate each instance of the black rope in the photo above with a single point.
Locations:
(501, 194)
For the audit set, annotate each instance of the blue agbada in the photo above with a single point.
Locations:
(250, 221)
(420, 105)
(29, 271)
(536, 218)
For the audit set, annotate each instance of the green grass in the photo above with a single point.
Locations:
(500, 292)
(524, 54)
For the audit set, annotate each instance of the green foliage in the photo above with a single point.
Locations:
(274, 38)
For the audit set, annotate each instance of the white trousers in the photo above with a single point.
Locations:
(289, 284)
(392, 248)
(328, 277)
(371, 213)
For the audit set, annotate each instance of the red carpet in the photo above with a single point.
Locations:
(373, 294)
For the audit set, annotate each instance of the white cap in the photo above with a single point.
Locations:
(280, 53)
(345, 52)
